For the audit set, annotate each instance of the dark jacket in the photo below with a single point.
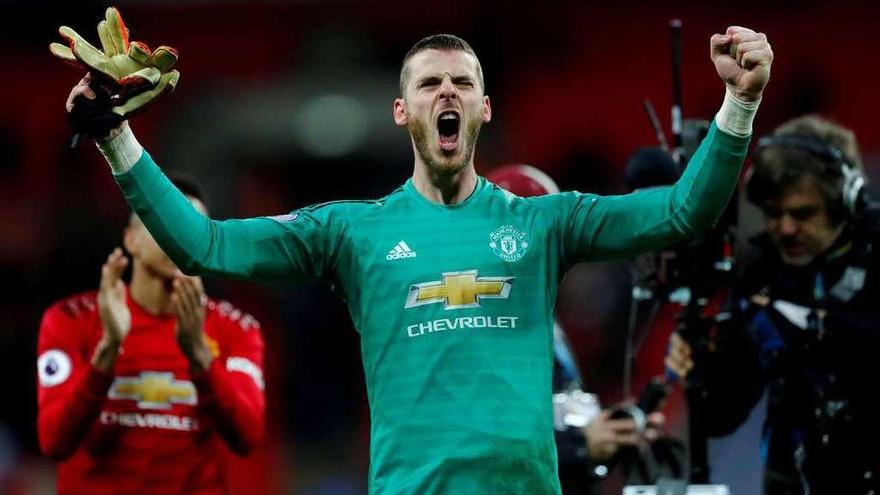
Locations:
(823, 417)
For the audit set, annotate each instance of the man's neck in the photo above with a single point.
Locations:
(151, 292)
(445, 189)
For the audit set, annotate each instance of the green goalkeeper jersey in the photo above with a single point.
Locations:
(453, 303)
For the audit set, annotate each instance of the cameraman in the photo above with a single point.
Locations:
(591, 441)
(804, 318)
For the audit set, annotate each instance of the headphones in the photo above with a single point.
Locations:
(853, 196)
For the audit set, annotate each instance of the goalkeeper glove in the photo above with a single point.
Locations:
(128, 76)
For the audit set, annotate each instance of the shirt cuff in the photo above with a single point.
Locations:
(122, 151)
(736, 115)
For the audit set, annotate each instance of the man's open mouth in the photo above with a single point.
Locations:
(448, 123)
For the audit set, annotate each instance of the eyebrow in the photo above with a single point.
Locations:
(435, 77)
(426, 79)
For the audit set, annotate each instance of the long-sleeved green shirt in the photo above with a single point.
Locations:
(453, 303)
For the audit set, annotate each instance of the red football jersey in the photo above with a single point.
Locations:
(150, 427)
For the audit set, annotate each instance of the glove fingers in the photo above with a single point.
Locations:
(73, 38)
(64, 53)
(88, 54)
(126, 76)
(172, 78)
(107, 43)
(137, 103)
(164, 58)
(146, 78)
(116, 30)
(140, 52)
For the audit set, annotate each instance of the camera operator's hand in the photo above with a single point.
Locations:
(656, 423)
(678, 356)
(606, 436)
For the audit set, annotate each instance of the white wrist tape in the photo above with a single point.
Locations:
(121, 152)
(736, 115)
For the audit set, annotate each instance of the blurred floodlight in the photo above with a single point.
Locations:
(331, 125)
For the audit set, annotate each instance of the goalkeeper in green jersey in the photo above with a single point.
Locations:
(449, 279)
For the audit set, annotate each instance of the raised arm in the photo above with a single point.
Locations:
(72, 386)
(229, 377)
(123, 78)
(620, 226)
(260, 247)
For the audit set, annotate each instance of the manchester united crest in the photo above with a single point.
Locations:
(508, 243)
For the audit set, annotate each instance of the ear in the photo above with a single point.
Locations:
(130, 240)
(487, 110)
(400, 112)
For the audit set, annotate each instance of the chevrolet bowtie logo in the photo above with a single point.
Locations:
(459, 290)
(154, 390)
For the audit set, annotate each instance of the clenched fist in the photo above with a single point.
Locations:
(742, 58)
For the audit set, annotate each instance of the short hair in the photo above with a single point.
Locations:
(777, 167)
(438, 42)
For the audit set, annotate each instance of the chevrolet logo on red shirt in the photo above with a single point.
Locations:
(154, 390)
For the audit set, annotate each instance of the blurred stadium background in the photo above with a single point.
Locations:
(283, 104)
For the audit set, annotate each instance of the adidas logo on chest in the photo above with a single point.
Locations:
(400, 251)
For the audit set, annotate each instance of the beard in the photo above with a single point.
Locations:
(446, 165)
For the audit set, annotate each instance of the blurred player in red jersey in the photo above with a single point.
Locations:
(138, 386)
